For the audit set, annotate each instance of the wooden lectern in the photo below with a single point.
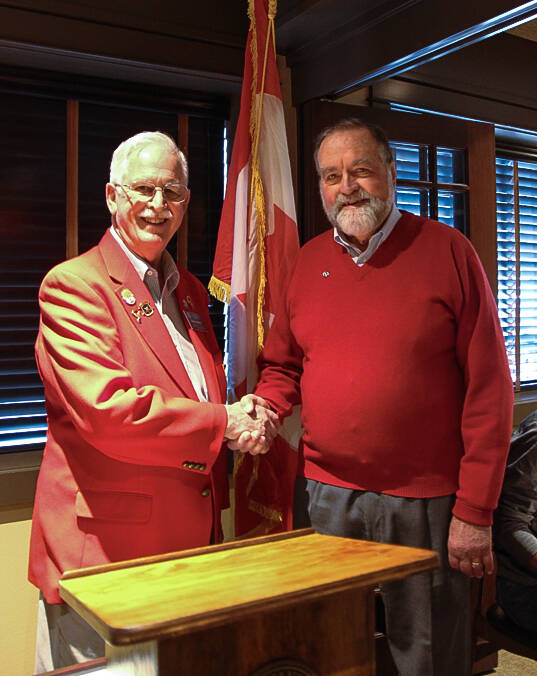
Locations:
(298, 603)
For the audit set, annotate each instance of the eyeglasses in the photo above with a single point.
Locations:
(145, 192)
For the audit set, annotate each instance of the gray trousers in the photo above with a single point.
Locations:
(63, 638)
(428, 618)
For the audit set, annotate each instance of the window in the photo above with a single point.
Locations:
(516, 203)
(35, 231)
(32, 227)
(431, 182)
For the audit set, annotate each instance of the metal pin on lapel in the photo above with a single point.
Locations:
(144, 309)
(128, 296)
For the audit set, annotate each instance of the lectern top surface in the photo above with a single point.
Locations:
(173, 594)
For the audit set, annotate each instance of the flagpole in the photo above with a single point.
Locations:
(256, 183)
(257, 244)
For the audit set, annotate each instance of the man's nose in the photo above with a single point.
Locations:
(348, 183)
(158, 201)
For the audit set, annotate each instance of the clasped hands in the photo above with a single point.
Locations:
(251, 425)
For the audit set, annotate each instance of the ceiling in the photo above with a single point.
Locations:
(336, 46)
(331, 46)
(526, 30)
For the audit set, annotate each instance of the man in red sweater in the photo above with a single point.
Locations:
(390, 340)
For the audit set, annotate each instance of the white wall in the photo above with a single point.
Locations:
(18, 596)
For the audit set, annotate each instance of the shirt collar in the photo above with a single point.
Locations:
(361, 257)
(147, 273)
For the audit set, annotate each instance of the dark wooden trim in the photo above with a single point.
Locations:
(182, 235)
(310, 221)
(406, 92)
(181, 19)
(482, 198)
(57, 84)
(365, 47)
(497, 71)
(161, 44)
(71, 180)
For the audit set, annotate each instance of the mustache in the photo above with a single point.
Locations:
(343, 200)
(149, 213)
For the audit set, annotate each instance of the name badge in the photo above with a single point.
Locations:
(195, 321)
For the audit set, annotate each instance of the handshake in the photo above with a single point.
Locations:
(251, 425)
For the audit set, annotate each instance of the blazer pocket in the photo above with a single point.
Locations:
(113, 506)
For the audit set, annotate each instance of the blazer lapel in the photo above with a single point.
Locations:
(140, 309)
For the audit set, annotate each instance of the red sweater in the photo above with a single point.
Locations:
(400, 367)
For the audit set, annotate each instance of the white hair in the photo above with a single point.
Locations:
(135, 144)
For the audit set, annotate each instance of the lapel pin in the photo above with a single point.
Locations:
(144, 309)
(128, 296)
(326, 273)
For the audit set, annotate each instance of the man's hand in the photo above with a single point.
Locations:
(252, 425)
(250, 402)
(470, 548)
(258, 408)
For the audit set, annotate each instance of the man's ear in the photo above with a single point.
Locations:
(187, 200)
(111, 197)
(393, 173)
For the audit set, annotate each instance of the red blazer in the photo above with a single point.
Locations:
(133, 465)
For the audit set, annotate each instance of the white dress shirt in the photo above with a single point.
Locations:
(168, 308)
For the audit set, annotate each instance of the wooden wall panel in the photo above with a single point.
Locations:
(71, 180)
(482, 201)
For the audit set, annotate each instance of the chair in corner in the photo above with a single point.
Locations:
(493, 630)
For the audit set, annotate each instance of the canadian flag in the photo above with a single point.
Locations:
(256, 248)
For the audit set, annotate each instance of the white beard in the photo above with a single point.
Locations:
(359, 223)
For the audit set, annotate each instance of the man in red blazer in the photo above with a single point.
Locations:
(134, 386)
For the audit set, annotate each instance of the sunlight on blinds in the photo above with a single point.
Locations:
(411, 164)
(516, 204)
(432, 166)
(527, 191)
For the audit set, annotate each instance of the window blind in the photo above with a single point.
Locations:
(507, 257)
(527, 207)
(410, 166)
(33, 231)
(429, 167)
(516, 206)
(32, 227)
